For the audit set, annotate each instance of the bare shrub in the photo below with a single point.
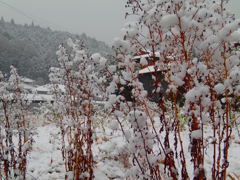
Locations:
(74, 107)
(192, 43)
(15, 130)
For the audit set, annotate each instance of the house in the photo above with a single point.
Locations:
(43, 93)
(147, 72)
(47, 89)
(27, 84)
(44, 89)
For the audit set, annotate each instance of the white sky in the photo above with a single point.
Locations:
(102, 19)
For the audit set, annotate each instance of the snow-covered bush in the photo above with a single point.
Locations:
(74, 106)
(15, 128)
(195, 42)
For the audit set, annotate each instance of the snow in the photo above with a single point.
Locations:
(143, 61)
(46, 98)
(197, 134)
(147, 55)
(130, 29)
(44, 88)
(33, 97)
(39, 97)
(112, 68)
(102, 61)
(219, 88)
(27, 86)
(48, 87)
(237, 91)
(148, 69)
(96, 57)
(133, 133)
(27, 80)
(235, 74)
(169, 20)
(45, 160)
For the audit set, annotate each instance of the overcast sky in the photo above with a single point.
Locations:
(101, 19)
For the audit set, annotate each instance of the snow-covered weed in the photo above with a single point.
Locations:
(16, 131)
(193, 44)
(75, 109)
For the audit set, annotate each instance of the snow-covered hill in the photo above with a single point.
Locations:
(31, 49)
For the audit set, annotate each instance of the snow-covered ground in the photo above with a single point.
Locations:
(45, 161)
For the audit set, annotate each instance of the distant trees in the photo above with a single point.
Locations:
(2, 20)
(12, 21)
(32, 49)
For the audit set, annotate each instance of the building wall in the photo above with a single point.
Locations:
(149, 86)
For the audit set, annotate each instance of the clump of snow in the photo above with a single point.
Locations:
(137, 119)
(196, 134)
(237, 90)
(143, 61)
(112, 68)
(96, 57)
(169, 20)
(219, 88)
(131, 29)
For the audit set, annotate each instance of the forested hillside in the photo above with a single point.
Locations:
(31, 49)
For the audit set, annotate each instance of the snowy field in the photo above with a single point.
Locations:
(45, 160)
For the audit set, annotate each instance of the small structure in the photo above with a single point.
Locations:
(149, 56)
(27, 84)
(147, 72)
(44, 89)
(44, 93)
(47, 88)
